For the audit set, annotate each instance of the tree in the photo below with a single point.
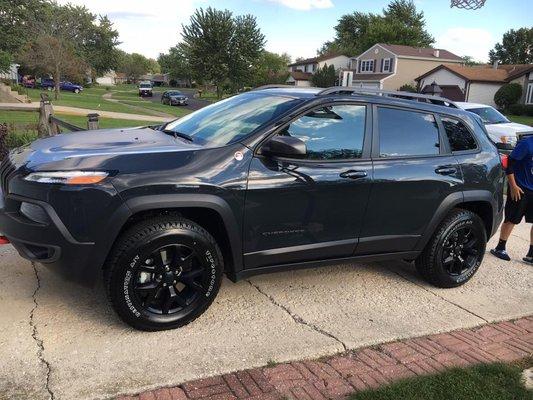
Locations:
(220, 48)
(133, 65)
(516, 47)
(271, 69)
(5, 61)
(99, 45)
(176, 64)
(469, 61)
(52, 56)
(508, 95)
(400, 23)
(324, 77)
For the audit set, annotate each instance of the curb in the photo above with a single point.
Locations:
(340, 375)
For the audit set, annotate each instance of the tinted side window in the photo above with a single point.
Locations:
(331, 133)
(458, 134)
(407, 133)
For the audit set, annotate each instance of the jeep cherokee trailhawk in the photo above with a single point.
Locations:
(268, 180)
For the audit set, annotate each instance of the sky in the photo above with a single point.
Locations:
(300, 27)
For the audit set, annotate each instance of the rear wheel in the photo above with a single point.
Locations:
(454, 253)
(163, 273)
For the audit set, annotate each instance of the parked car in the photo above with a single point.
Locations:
(28, 81)
(49, 84)
(174, 98)
(145, 89)
(501, 131)
(264, 181)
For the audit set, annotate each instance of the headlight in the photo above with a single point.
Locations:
(67, 177)
(508, 139)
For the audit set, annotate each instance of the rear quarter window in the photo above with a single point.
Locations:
(459, 136)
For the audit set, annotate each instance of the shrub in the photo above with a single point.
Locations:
(529, 110)
(407, 88)
(517, 109)
(508, 94)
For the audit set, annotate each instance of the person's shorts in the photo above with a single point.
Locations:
(516, 210)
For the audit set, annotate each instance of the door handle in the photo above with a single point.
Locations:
(353, 174)
(446, 170)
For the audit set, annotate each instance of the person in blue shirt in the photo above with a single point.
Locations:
(519, 196)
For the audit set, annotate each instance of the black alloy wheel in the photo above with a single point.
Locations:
(170, 279)
(163, 273)
(461, 251)
(455, 251)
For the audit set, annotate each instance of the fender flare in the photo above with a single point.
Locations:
(168, 201)
(450, 202)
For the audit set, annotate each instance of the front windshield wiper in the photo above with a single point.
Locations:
(178, 134)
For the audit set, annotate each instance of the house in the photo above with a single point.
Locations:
(479, 84)
(120, 78)
(300, 72)
(157, 79)
(109, 78)
(390, 66)
(12, 74)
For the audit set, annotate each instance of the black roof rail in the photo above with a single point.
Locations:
(441, 101)
(273, 86)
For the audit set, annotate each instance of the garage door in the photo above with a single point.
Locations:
(452, 92)
(366, 85)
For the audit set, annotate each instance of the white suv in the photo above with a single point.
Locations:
(500, 129)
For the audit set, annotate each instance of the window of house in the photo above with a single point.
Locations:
(367, 65)
(407, 133)
(459, 136)
(331, 132)
(529, 94)
(387, 62)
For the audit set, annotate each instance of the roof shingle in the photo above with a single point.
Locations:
(425, 52)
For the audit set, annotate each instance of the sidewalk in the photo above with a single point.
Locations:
(84, 112)
(338, 376)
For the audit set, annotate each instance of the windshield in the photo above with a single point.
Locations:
(232, 119)
(174, 93)
(145, 85)
(489, 115)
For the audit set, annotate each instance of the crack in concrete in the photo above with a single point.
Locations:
(297, 318)
(35, 336)
(438, 295)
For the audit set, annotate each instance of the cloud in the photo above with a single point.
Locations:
(462, 41)
(146, 27)
(304, 4)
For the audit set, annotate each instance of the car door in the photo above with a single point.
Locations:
(414, 172)
(310, 208)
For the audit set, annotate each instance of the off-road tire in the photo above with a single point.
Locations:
(429, 264)
(130, 249)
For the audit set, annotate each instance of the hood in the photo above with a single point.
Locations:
(99, 144)
(508, 128)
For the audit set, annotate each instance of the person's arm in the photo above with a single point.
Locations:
(519, 152)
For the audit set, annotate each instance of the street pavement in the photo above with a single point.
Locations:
(62, 340)
(193, 103)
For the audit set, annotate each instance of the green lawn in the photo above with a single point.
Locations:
(521, 119)
(22, 125)
(482, 382)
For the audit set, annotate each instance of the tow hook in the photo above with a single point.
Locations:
(3, 240)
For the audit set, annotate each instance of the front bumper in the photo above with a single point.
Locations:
(49, 243)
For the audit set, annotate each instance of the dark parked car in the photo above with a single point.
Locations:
(49, 84)
(265, 181)
(174, 98)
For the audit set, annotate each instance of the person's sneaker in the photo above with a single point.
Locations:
(501, 254)
(527, 259)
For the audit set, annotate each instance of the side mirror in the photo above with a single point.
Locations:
(284, 146)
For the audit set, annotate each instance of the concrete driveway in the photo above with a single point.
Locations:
(58, 339)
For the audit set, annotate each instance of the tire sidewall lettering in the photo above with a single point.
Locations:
(126, 286)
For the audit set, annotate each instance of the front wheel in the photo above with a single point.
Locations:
(454, 253)
(163, 273)
(76, 91)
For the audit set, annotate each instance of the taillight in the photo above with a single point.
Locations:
(504, 158)
(3, 240)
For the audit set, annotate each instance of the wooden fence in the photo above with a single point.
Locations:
(49, 124)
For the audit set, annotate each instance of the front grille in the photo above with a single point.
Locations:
(6, 171)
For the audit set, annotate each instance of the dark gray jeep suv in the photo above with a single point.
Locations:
(268, 180)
